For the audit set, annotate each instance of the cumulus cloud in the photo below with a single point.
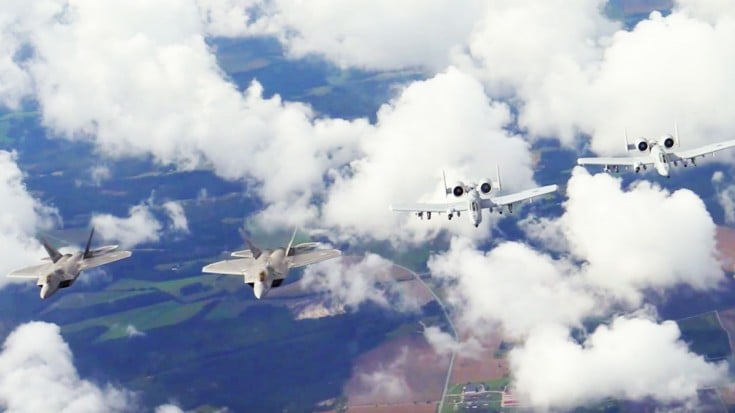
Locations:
(444, 343)
(21, 217)
(155, 88)
(631, 359)
(351, 282)
(725, 196)
(644, 237)
(138, 227)
(387, 382)
(177, 215)
(99, 173)
(140, 63)
(381, 35)
(169, 408)
(488, 289)
(38, 375)
(444, 122)
(608, 249)
(612, 245)
(132, 331)
(143, 223)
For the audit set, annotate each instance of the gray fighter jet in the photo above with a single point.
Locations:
(63, 269)
(264, 269)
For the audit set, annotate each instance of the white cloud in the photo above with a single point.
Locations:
(613, 245)
(132, 331)
(645, 237)
(444, 122)
(488, 290)
(21, 217)
(139, 227)
(143, 223)
(99, 173)
(375, 34)
(177, 215)
(387, 382)
(116, 102)
(725, 196)
(630, 359)
(37, 374)
(351, 283)
(444, 343)
(169, 408)
(123, 78)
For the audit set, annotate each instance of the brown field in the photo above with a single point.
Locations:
(409, 362)
(482, 367)
(726, 247)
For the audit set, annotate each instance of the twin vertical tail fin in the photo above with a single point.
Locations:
(447, 190)
(253, 249)
(290, 243)
(498, 184)
(87, 251)
(53, 253)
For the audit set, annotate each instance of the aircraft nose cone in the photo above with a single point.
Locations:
(259, 289)
(45, 292)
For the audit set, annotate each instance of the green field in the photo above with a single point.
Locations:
(705, 336)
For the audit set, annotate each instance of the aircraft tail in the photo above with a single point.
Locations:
(53, 253)
(498, 184)
(627, 142)
(447, 190)
(253, 249)
(87, 251)
(676, 133)
(290, 243)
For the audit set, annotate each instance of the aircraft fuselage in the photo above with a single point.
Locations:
(660, 161)
(65, 272)
(270, 266)
(474, 207)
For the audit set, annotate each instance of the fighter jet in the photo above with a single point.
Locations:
(474, 203)
(63, 269)
(659, 152)
(264, 269)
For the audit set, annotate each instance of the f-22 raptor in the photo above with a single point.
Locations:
(264, 269)
(64, 269)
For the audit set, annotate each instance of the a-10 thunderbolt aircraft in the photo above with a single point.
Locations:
(474, 202)
(64, 269)
(264, 269)
(660, 153)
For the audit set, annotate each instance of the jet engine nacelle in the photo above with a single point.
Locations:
(485, 186)
(641, 144)
(458, 189)
(668, 141)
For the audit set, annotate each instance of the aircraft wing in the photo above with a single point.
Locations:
(239, 266)
(704, 150)
(621, 161)
(519, 196)
(242, 254)
(34, 271)
(229, 267)
(312, 257)
(437, 208)
(104, 259)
